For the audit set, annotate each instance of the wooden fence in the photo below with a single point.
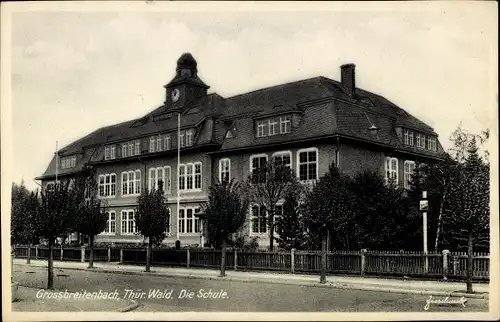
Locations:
(433, 264)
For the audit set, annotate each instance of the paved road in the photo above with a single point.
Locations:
(239, 296)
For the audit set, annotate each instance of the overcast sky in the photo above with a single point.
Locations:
(75, 71)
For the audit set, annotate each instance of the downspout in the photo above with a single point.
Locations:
(144, 176)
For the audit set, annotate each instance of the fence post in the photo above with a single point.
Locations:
(363, 261)
(121, 255)
(235, 259)
(82, 256)
(188, 256)
(36, 252)
(445, 264)
(62, 252)
(109, 254)
(455, 262)
(292, 260)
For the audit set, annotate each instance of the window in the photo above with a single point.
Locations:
(189, 137)
(68, 162)
(431, 143)
(182, 141)
(391, 169)
(50, 187)
(278, 213)
(159, 145)
(162, 174)
(190, 176)
(137, 147)
(189, 223)
(111, 224)
(224, 169)
(261, 128)
(285, 124)
(130, 151)
(273, 126)
(408, 137)
(124, 150)
(258, 219)
(131, 183)
(167, 143)
(307, 160)
(106, 153)
(284, 158)
(421, 141)
(417, 138)
(409, 168)
(257, 166)
(152, 145)
(128, 222)
(107, 185)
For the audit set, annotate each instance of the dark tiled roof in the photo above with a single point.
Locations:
(321, 105)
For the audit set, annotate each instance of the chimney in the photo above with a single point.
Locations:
(348, 77)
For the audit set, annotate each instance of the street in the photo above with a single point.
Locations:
(162, 294)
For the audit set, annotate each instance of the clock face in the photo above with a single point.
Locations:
(175, 95)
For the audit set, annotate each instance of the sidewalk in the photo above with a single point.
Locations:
(408, 286)
(30, 300)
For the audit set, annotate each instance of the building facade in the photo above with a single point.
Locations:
(308, 124)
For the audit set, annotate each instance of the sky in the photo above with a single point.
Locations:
(82, 68)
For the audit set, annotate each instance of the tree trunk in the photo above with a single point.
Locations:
(440, 219)
(91, 248)
(50, 266)
(223, 258)
(28, 259)
(322, 278)
(271, 227)
(148, 255)
(469, 263)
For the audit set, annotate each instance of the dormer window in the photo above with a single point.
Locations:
(189, 137)
(408, 137)
(110, 152)
(131, 148)
(68, 162)
(274, 126)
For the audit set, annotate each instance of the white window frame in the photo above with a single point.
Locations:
(105, 185)
(224, 167)
(131, 182)
(281, 153)
(408, 172)
(307, 150)
(137, 146)
(130, 149)
(422, 141)
(124, 150)
(166, 178)
(152, 144)
(159, 143)
(252, 217)
(190, 176)
(167, 142)
(182, 139)
(107, 153)
(261, 128)
(108, 229)
(390, 172)
(128, 222)
(408, 137)
(285, 124)
(255, 156)
(273, 124)
(432, 143)
(113, 152)
(189, 137)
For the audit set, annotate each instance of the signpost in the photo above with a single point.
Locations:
(424, 206)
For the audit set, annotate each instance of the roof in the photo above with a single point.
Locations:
(321, 107)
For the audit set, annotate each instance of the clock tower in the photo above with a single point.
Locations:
(186, 84)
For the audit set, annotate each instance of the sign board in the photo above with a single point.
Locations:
(424, 205)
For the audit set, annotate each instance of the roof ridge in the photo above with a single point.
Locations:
(274, 86)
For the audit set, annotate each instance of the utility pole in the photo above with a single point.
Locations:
(424, 206)
(178, 168)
